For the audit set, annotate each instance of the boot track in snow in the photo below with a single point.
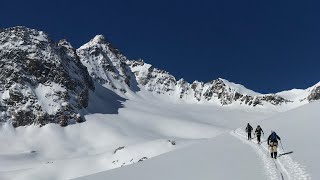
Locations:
(283, 168)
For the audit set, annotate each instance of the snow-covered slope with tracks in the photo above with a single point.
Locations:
(232, 156)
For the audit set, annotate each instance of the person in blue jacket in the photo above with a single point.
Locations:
(273, 144)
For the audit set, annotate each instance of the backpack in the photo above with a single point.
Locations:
(273, 137)
(248, 128)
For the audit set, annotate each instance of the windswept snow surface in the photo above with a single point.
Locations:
(299, 132)
(240, 88)
(124, 130)
(223, 157)
(142, 127)
(299, 96)
(232, 156)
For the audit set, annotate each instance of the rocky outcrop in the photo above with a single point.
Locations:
(153, 79)
(315, 94)
(118, 149)
(40, 80)
(143, 159)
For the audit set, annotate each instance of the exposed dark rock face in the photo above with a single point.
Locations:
(40, 80)
(172, 142)
(273, 99)
(143, 159)
(315, 94)
(118, 149)
(153, 79)
(218, 88)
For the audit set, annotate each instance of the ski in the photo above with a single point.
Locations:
(285, 153)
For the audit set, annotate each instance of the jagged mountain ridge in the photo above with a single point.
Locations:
(42, 81)
(219, 91)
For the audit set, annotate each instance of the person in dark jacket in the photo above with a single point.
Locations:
(258, 132)
(273, 144)
(249, 130)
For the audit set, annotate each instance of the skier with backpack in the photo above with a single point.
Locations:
(273, 144)
(248, 130)
(258, 132)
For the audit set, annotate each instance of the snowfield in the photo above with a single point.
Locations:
(209, 141)
(232, 156)
(145, 126)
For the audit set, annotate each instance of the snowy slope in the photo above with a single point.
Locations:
(232, 156)
(146, 125)
(298, 129)
(240, 88)
(300, 96)
(220, 158)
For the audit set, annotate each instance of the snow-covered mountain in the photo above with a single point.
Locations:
(219, 91)
(133, 112)
(107, 65)
(43, 81)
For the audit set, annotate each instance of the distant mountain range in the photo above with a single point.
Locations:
(42, 81)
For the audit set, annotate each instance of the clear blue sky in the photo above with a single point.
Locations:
(268, 46)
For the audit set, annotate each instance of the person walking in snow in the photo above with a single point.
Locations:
(258, 132)
(248, 130)
(273, 144)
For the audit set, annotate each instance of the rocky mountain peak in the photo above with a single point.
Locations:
(96, 41)
(106, 64)
(99, 39)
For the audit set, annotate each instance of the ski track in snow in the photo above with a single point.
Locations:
(271, 170)
(283, 168)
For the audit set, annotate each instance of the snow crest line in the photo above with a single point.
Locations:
(285, 165)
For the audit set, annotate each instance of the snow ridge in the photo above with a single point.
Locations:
(219, 91)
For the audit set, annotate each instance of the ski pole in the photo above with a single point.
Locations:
(281, 145)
